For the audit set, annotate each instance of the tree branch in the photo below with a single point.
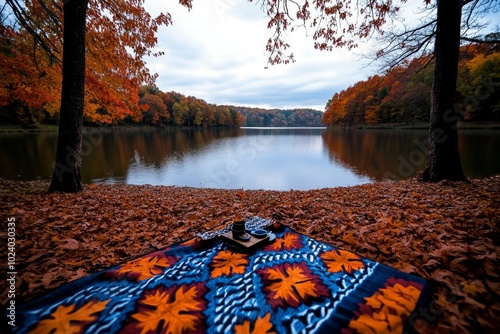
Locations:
(28, 24)
(480, 41)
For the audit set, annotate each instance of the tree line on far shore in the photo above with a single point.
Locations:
(30, 94)
(403, 95)
(280, 117)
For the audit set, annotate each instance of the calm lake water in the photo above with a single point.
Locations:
(248, 158)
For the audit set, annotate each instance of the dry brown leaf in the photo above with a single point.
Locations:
(69, 244)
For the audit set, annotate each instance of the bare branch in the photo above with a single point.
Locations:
(52, 15)
(480, 41)
(33, 29)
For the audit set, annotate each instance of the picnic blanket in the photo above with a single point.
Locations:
(293, 284)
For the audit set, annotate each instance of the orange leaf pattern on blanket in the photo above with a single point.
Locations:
(146, 267)
(175, 310)
(291, 284)
(260, 326)
(228, 263)
(68, 320)
(287, 242)
(339, 260)
(387, 309)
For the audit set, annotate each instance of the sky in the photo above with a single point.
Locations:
(216, 52)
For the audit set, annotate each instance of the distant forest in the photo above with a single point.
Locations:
(403, 94)
(278, 117)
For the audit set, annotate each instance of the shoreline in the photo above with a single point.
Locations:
(419, 126)
(10, 128)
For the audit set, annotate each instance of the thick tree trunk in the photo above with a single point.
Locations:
(443, 162)
(68, 165)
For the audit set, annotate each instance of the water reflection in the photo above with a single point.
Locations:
(379, 154)
(126, 151)
(479, 152)
(400, 154)
(249, 158)
(27, 156)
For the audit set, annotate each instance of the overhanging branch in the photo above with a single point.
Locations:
(480, 41)
(33, 29)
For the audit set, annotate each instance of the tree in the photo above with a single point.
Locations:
(117, 31)
(442, 31)
(342, 23)
(67, 174)
(443, 161)
(180, 111)
(155, 109)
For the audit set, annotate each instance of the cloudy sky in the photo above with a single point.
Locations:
(217, 52)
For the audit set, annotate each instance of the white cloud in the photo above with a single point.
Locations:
(217, 52)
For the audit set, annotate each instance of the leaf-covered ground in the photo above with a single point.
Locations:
(446, 232)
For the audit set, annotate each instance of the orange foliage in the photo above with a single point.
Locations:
(335, 24)
(119, 35)
(30, 81)
(403, 94)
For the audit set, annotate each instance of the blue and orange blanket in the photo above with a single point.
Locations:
(293, 284)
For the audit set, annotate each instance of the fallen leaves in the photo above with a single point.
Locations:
(68, 244)
(446, 232)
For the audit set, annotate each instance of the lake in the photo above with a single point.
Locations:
(248, 158)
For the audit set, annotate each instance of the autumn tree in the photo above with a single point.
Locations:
(344, 23)
(442, 31)
(67, 174)
(478, 88)
(29, 84)
(116, 35)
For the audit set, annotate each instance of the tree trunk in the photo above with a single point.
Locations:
(68, 166)
(443, 162)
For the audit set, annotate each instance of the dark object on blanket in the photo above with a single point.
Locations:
(246, 246)
(259, 233)
(239, 231)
